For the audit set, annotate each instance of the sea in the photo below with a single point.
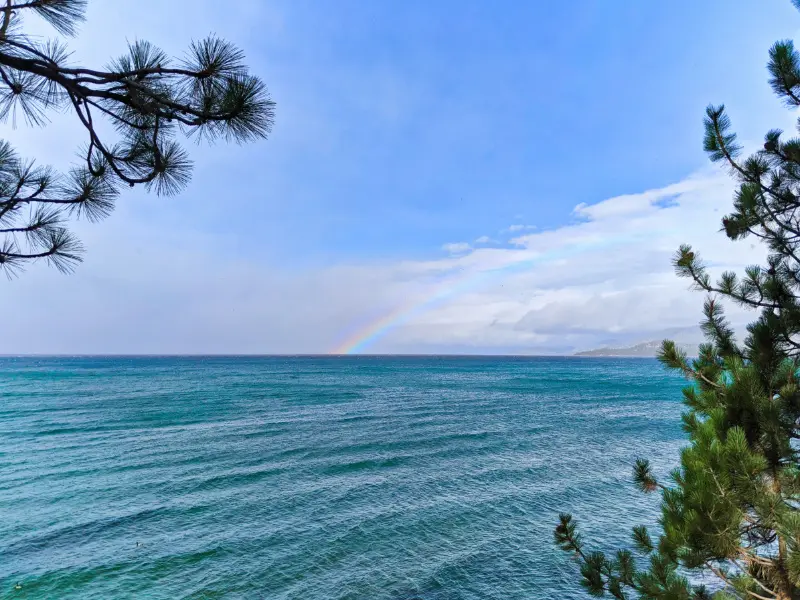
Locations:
(302, 478)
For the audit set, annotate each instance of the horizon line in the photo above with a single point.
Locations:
(308, 355)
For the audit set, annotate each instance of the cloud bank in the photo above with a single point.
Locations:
(604, 278)
(173, 276)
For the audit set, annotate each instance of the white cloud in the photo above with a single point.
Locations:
(456, 248)
(159, 284)
(520, 227)
(606, 279)
(636, 204)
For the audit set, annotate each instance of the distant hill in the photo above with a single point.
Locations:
(645, 349)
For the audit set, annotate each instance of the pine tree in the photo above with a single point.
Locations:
(731, 511)
(149, 99)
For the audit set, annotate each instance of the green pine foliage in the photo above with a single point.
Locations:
(150, 99)
(731, 511)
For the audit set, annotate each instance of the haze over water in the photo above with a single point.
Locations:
(320, 478)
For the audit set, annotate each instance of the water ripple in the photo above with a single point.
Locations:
(331, 478)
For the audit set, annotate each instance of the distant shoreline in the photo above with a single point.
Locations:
(643, 350)
(587, 354)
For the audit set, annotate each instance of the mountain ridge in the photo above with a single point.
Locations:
(644, 349)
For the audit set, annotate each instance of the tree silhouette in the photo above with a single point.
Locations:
(731, 510)
(149, 98)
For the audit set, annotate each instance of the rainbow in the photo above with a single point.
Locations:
(365, 336)
(361, 339)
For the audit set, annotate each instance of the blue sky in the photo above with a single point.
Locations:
(405, 127)
(445, 119)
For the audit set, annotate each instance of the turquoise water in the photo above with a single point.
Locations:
(305, 478)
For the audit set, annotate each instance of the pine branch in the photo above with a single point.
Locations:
(722, 576)
(150, 100)
(63, 15)
(784, 66)
(721, 146)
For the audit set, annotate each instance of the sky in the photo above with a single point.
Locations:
(442, 177)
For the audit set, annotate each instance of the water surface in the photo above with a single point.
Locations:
(330, 478)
